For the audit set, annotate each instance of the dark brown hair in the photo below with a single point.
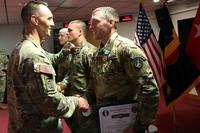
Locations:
(30, 8)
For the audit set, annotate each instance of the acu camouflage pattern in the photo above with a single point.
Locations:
(77, 81)
(79, 69)
(3, 73)
(34, 104)
(121, 72)
(62, 68)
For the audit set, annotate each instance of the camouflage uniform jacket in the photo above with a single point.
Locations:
(77, 82)
(3, 73)
(62, 68)
(34, 103)
(121, 72)
(79, 69)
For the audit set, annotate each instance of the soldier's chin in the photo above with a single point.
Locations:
(44, 37)
(49, 34)
(96, 37)
(43, 40)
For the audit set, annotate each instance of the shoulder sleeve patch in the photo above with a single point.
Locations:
(137, 62)
(44, 68)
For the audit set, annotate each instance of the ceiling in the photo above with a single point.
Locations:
(66, 10)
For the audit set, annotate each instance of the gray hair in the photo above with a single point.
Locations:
(63, 30)
(108, 12)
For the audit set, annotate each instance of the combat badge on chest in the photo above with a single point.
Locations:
(103, 56)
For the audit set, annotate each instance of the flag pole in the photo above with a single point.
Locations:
(174, 118)
(173, 104)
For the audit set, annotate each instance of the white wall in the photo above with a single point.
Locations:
(11, 34)
(127, 29)
(183, 14)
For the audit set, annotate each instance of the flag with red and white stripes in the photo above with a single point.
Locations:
(145, 37)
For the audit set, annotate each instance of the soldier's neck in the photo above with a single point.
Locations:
(79, 42)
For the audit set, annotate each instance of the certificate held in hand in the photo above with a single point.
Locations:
(116, 117)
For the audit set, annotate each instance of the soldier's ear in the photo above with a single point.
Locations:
(112, 23)
(80, 33)
(34, 20)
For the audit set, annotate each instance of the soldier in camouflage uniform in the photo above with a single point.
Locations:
(79, 71)
(34, 102)
(62, 68)
(3, 73)
(121, 71)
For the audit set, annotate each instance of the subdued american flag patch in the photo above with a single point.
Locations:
(44, 68)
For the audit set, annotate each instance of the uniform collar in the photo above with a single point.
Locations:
(108, 46)
(111, 40)
(35, 43)
(38, 45)
(78, 49)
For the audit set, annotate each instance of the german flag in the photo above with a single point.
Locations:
(180, 70)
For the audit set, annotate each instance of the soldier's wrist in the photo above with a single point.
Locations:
(65, 52)
(140, 127)
(75, 100)
(78, 96)
(60, 87)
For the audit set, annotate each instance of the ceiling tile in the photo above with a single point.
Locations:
(81, 9)
(75, 3)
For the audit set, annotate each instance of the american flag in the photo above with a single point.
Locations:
(145, 37)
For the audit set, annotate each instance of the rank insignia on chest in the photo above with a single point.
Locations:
(102, 59)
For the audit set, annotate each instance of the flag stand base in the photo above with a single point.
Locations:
(174, 118)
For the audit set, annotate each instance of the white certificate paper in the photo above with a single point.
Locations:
(117, 117)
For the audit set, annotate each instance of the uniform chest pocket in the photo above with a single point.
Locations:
(107, 65)
(114, 65)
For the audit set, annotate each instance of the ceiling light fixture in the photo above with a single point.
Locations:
(156, 1)
(169, 1)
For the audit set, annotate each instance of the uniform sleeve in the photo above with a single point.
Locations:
(43, 91)
(140, 73)
(4, 62)
(57, 58)
(88, 57)
(87, 60)
(65, 81)
(90, 94)
(62, 70)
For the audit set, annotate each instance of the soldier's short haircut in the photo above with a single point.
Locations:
(31, 8)
(109, 13)
(80, 25)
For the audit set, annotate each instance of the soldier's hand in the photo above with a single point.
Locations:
(69, 50)
(82, 104)
(3, 106)
(60, 87)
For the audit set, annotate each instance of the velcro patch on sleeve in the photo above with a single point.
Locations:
(44, 68)
(137, 62)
